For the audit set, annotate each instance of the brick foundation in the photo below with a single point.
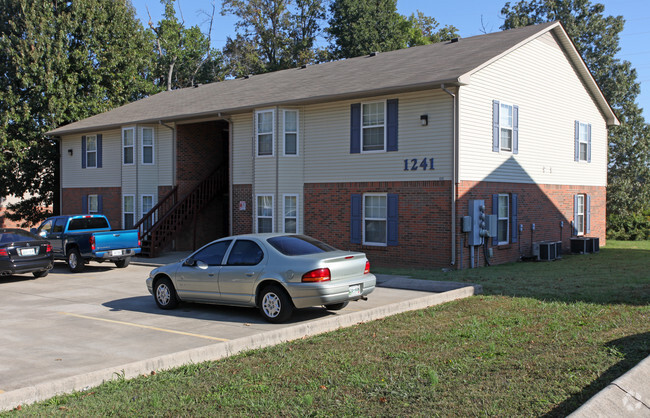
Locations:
(72, 202)
(242, 222)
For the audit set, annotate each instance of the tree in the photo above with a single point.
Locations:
(423, 30)
(597, 39)
(359, 27)
(184, 54)
(272, 34)
(60, 61)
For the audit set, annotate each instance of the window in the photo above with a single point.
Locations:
(245, 253)
(583, 141)
(147, 204)
(505, 127)
(128, 146)
(147, 145)
(91, 151)
(59, 224)
(374, 219)
(128, 211)
(505, 124)
(290, 132)
(290, 211)
(93, 203)
(212, 254)
(264, 132)
(299, 245)
(264, 213)
(372, 126)
(503, 216)
(580, 214)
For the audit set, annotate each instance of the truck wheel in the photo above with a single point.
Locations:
(75, 263)
(122, 262)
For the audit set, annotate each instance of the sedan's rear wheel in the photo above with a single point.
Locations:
(336, 306)
(165, 294)
(41, 273)
(275, 304)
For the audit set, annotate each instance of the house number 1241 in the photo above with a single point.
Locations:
(414, 164)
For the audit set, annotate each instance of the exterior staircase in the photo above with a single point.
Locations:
(161, 224)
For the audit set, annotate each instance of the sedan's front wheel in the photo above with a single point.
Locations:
(165, 294)
(275, 304)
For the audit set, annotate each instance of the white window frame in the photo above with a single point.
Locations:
(284, 213)
(152, 146)
(142, 197)
(504, 218)
(132, 146)
(124, 212)
(89, 151)
(583, 128)
(510, 128)
(258, 216)
(384, 102)
(364, 219)
(257, 133)
(580, 225)
(91, 198)
(285, 132)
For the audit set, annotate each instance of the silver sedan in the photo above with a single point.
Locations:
(276, 273)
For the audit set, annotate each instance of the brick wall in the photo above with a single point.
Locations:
(242, 222)
(72, 201)
(424, 225)
(544, 205)
(200, 147)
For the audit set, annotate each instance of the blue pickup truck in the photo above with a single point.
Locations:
(79, 239)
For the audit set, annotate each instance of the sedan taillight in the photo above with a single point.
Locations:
(318, 275)
(4, 252)
(367, 269)
(49, 248)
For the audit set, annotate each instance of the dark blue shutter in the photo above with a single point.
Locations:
(99, 151)
(587, 214)
(495, 211)
(589, 143)
(84, 204)
(575, 215)
(577, 141)
(495, 126)
(100, 204)
(355, 128)
(355, 219)
(393, 219)
(83, 152)
(515, 129)
(514, 227)
(391, 126)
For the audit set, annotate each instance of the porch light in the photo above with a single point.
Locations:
(424, 120)
(70, 152)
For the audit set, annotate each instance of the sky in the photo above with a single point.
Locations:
(471, 17)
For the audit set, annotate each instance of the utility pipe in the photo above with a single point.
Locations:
(454, 169)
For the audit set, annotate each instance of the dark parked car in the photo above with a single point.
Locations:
(23, 252)
(276, 273)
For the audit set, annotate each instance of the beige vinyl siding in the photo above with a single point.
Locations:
(242, 148)
(539, 79)
(327, 141)
(109, 175)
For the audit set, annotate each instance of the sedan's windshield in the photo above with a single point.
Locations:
(299, 245)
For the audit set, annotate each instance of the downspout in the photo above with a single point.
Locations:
(173, 129)
(454, 172)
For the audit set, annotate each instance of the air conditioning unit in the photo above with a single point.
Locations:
(547, 250)
(585, 245)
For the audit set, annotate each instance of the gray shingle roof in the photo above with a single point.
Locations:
(387, 72)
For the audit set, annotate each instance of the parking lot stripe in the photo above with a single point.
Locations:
(207, 337)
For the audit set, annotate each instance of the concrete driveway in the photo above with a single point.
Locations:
(68, 331)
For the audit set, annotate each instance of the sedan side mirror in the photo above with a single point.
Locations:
(201, 264)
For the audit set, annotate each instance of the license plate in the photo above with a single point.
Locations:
(27, 251)
(116, 252)
(354, 290)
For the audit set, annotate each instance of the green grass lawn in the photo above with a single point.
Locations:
(543, 339)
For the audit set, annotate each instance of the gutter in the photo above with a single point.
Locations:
(454, 171)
